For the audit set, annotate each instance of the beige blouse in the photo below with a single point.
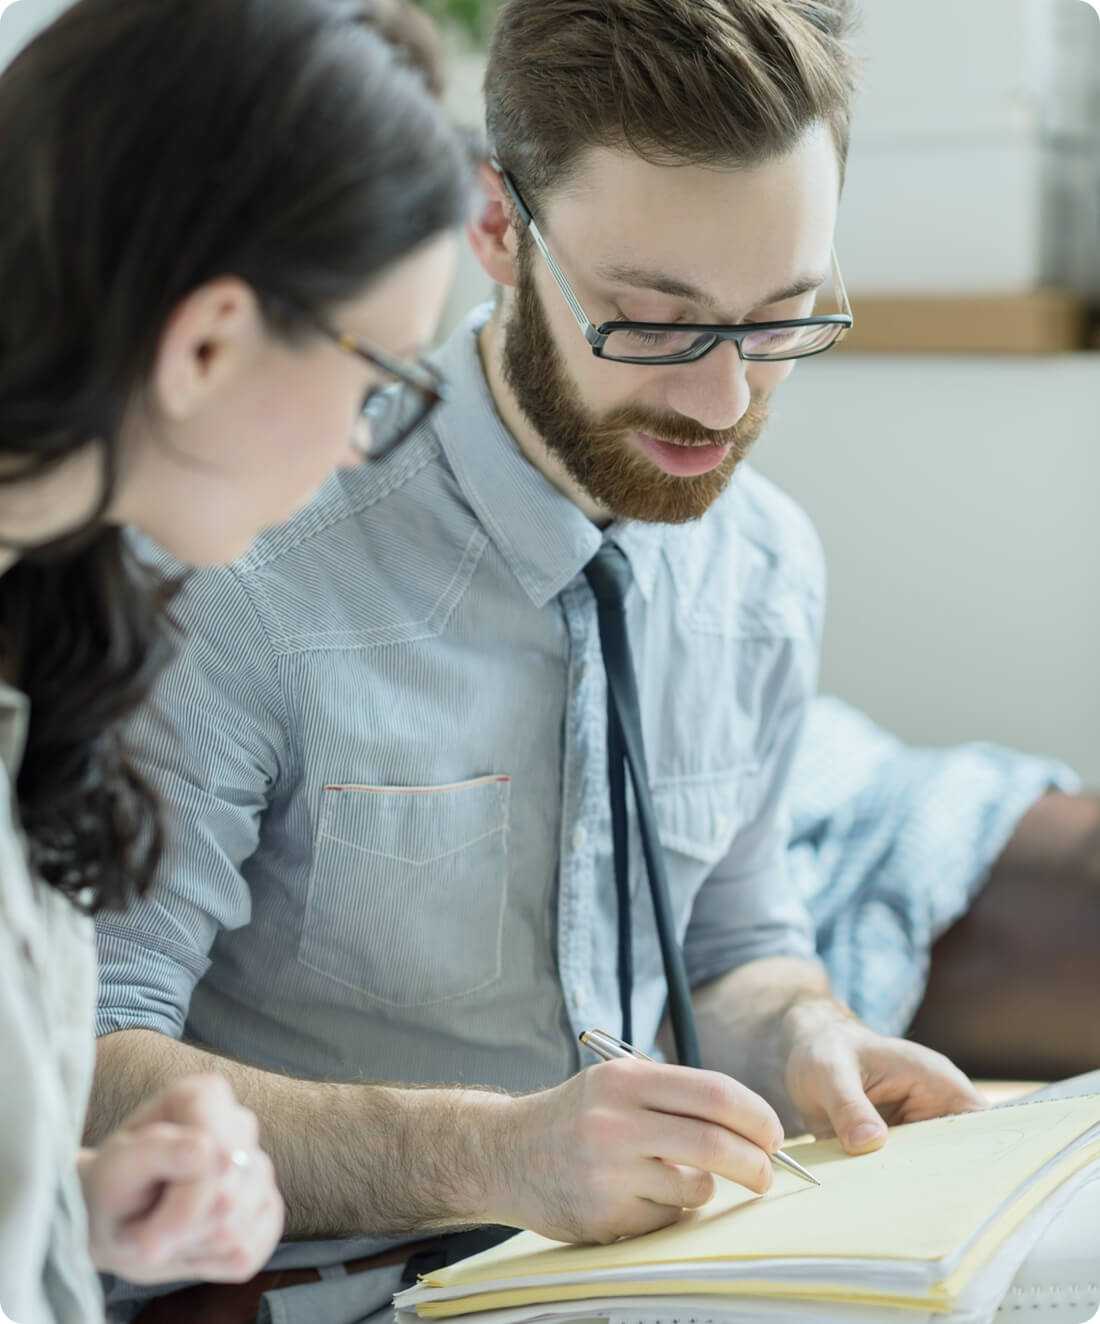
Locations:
(47, 1002)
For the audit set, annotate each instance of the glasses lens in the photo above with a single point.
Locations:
(389, 416)
(632, 346)
(791, 342)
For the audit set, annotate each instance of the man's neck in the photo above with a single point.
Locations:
(534, 449)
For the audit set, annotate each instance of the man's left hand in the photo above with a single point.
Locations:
(847, 1080)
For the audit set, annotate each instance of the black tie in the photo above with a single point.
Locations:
(609, 576)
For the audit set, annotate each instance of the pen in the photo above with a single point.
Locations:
(607, 1046)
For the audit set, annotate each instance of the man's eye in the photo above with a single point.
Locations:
(654, 339)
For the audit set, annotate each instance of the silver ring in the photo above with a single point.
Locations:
(240, 1158)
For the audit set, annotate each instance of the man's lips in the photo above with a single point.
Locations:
(682, 459)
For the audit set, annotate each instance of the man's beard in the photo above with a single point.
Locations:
(595, 451)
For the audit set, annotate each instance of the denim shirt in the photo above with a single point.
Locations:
(383, 748)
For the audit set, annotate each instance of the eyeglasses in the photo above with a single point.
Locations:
(389, 415)
(684, 342)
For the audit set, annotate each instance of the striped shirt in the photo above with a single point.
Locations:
(383, 748)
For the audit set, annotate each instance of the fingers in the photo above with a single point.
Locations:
(709, 1096)
(642, 1216)
(180, 1216)
(853, 1117)
(241, 1261)
(222, 1228)
(220, 1201)
(240, 1239)
(163, 1152)
(678, 1186)
(931, 1085)
(705, 1148)
(189, 1100)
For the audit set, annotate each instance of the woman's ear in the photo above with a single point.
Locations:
(210, 336)
(491, 232)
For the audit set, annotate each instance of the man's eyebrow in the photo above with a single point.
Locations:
(644, 278)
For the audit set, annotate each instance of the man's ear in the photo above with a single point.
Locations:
(211, 334)
(491, 232)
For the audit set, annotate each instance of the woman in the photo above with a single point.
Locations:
(225, 227)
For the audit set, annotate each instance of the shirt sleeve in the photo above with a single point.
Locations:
(750, 907)
(212, 741)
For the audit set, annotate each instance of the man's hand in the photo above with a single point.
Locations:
(182, 1191)
(849, 1081)
(624, 1148)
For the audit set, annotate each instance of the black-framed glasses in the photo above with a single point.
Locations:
(687, 342)
(389, 414)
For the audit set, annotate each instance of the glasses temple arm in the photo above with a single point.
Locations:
(841, 288)
(583, 320)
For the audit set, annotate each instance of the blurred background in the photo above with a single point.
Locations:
(950, 454)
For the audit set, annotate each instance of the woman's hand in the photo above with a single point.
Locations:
(182, 1190)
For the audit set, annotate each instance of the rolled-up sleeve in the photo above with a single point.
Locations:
(750, 906)
(212, 742)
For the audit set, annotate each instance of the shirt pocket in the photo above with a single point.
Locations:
(698, 819)
(408, 888)
(699, 816)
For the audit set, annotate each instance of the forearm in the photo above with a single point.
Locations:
(350, 1159)
(747, 1020)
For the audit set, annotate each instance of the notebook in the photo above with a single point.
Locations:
(935, 1224)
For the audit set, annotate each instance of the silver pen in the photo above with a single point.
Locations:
(607, 1046)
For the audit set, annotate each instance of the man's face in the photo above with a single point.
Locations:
(649, 243)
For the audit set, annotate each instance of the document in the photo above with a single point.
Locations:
(909, 1226)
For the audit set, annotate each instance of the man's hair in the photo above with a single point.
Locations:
(703, 82)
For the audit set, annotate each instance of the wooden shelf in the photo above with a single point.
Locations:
(1040, 322)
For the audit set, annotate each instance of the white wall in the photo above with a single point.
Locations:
(958, 503)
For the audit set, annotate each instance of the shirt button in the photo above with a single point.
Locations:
(579, 999)
(722, 823)
(580, 838)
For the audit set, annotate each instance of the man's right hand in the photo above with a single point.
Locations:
(625, 1147)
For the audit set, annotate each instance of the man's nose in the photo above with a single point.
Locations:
(714, 390)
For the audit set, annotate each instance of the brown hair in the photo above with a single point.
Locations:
(414, 37)
(729, 82)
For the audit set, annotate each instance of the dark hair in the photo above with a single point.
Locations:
(712, 82)
(151, 146)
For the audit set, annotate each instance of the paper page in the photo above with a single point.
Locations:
(923, 1197)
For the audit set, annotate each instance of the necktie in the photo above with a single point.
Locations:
(608, 574)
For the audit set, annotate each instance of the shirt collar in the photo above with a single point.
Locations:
(544, 537)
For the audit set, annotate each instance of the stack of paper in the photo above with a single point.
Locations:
(944, 1214)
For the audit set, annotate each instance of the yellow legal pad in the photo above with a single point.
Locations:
(907, 1226)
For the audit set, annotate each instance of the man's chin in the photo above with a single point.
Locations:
(643, 493)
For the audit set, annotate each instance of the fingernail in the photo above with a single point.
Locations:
(865, 1133)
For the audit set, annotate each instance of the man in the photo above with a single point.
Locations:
(386, 738)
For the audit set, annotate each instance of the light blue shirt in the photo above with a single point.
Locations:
(891, 843)
(383, 747)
